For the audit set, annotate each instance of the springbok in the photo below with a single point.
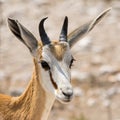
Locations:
(51, 78)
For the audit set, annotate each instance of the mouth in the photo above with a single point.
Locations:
(64, 99)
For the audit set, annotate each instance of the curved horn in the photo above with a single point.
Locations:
(44, 38)
(63, 34)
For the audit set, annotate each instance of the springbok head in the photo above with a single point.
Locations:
(54, 57)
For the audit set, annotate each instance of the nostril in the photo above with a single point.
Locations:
(68, 93)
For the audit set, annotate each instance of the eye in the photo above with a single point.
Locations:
(71, 62)
(45, 65)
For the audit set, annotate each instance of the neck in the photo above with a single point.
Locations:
(35, 101)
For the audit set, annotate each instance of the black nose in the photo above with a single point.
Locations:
(68, 92)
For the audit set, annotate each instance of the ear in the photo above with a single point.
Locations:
(23, 34)
(81, 31)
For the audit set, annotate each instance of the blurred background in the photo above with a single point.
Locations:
(96, 71)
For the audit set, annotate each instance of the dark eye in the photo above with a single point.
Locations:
(45, 65)
(71, 62)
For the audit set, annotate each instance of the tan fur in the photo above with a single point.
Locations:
(58, 49)
(28, 106)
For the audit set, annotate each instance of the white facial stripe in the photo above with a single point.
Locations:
(60, 72)
(46, 54)
(46, 82)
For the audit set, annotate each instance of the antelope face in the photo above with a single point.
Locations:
(56, 61)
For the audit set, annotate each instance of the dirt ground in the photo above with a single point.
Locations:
(96, 71)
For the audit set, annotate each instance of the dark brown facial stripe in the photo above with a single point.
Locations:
(51, 78)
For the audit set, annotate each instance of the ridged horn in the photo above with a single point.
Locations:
(63, 34)
(44, 38)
